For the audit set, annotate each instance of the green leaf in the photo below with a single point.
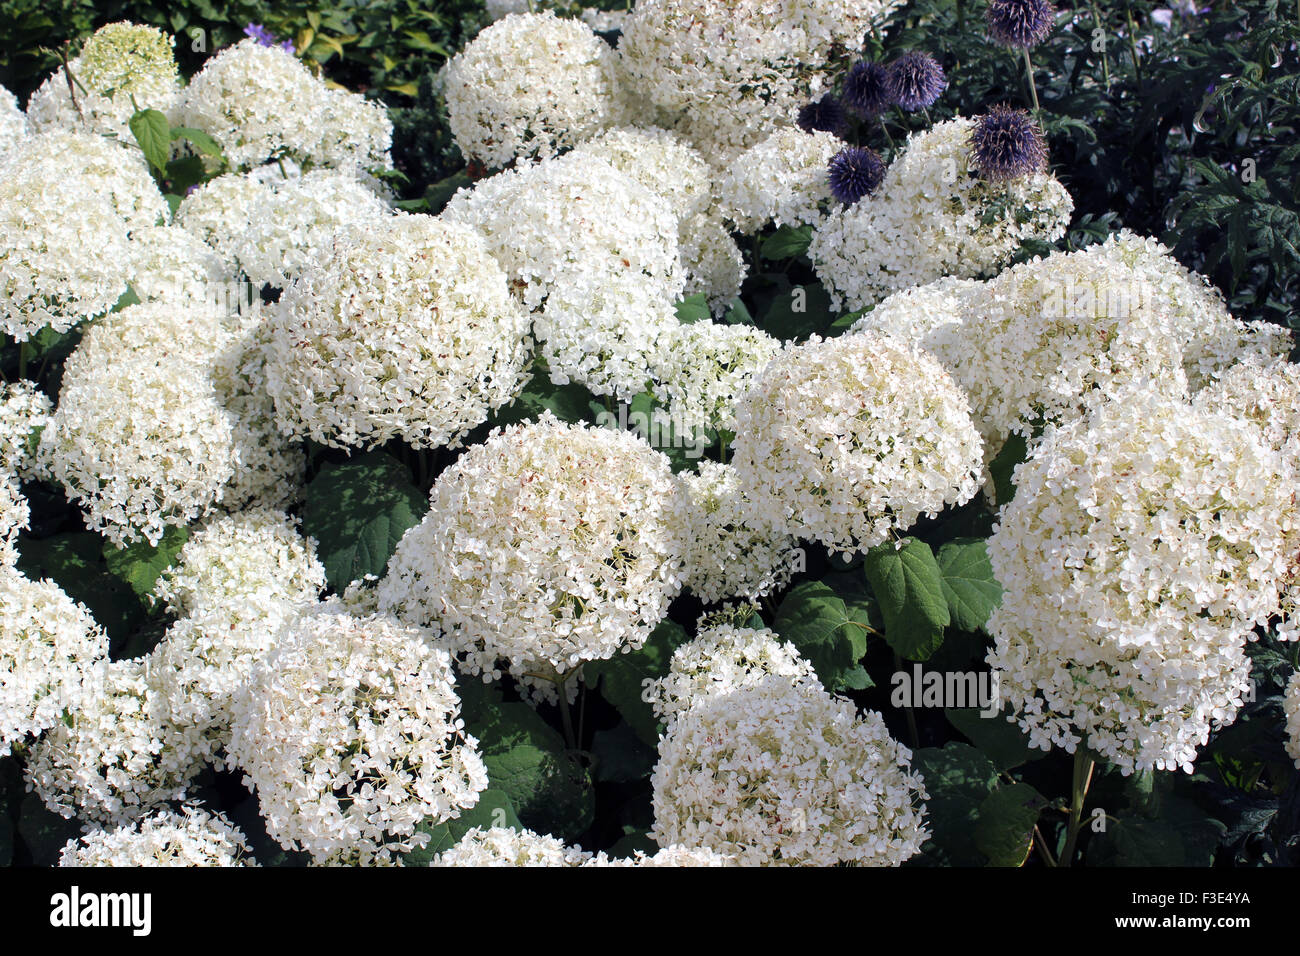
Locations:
(971, 590)
(75, 562)
(958, 779)
(694, 308)
(1004, 464)
(140, 564)
(439, 194)
(786, 243)
(1005, 829)
(569, 403)
(621, 755)
(622, 677)
(493, 809)
(357, 511)
(817, 622)
(550, 788)
(1161, 826)
(200, 140)
(909, 586)
(997, 738)
(798, 312)
(152, 131)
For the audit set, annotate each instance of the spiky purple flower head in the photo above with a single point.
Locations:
(866, 89)
(1007, 144)
(1020, 24)
(825, 115)
(915, 80)
(855, 172)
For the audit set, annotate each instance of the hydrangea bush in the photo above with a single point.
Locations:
(760, 451)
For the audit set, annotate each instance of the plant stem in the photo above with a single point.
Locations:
(1105, 60)
(566, 716)
(1083, 767)
(24, 350)
(1033, 87)
(911, 714)
(1041, 842)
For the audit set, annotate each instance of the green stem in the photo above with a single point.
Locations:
(911, 714)
(24, 351)
(566, 715)
(1105, 60)
(1132, 45)
(1083, 767)
(1033, 87)
(1041, 842)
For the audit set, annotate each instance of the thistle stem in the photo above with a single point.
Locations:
(1033, 87)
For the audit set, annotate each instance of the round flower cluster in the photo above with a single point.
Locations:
(121, 67)
(781, 180)
(23, 410)
(531, 85)
(728, 73)
(350, 733)
(13, 123)
(855, 173)
(1291, 705)
(261, 103)
(933, 217)
(140, 438)
(167, 262)
(853, 439)
(219, 211)
(14, 517)
(114, 756)
(721, 660)
(714, 264)
(597, 252)
(784, 774)
(705, 368)
(406, 330)
(731, 549)
(1007, 144)
(192, 837)
(1143, 545)
(659, 160)
(505, 846)
(292, 225)
(47, 642)
(926, 315)
(95, 164)
(548, 545)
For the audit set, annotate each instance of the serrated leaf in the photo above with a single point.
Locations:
(817, 622)
(621, 755)
(971, 590)
(141, 563)
(694, 308)
(569, 403)
(75, 562)
(1006, 819)
(200, 140)
(797, 313)
(909, 587)
(1003, 466)
(154, 134)
(493, 809)
(996, 737)
(357, 511)
(786, 242)
(958, 779)
(622, 677)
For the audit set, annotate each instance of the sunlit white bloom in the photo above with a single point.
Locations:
(192, 837)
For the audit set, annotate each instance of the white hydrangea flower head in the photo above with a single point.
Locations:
(933, 217)
(63, 246)
(140, 439)
(783, 774)
(23, 409)
(924, 314)
(253, 560)
(14, 127)
(15, 514)
(705, 368)
(114, 757)
(258, 102)
(1291, 705)
(167, 262)
(669, 856)
(191, 837)
(727, 73)
(122, 67)
(506, 846)
(548, 545)
(406, 329)
(292, 225)
(720, 660)
(529, 86)
(350, 732)
(852, 439)
(47, 642)
(732, 550)
(659, 160)
(271, 469)
(713, 263)
(1143, 545)
(355, 132)
(218, 212)
(781, 180)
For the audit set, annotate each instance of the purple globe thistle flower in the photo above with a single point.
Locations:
(855, 172)
(915, 80)
(866, 89)
(825, 115)
(1007, 144)
(1020, 24)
